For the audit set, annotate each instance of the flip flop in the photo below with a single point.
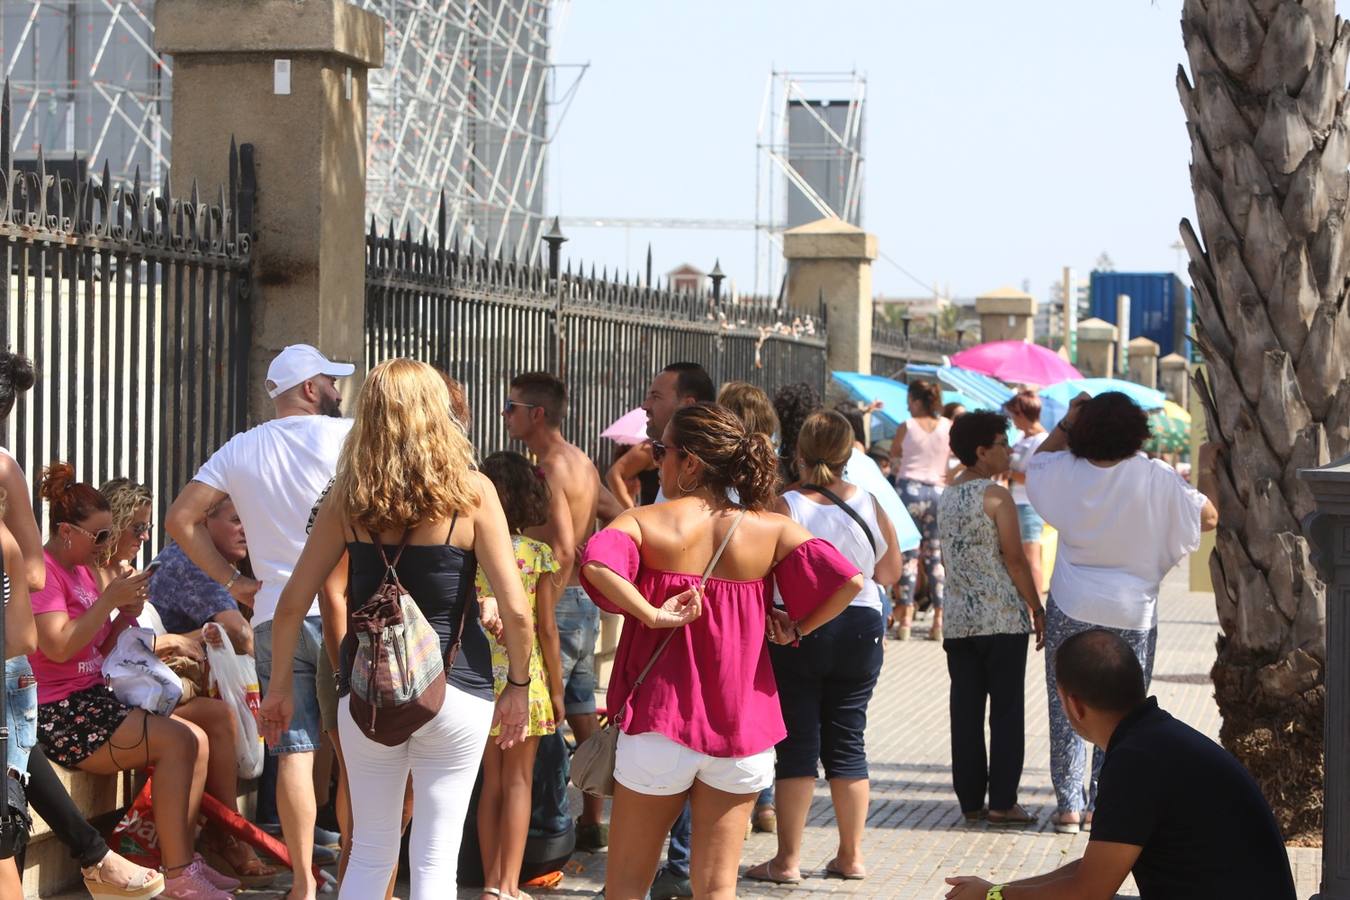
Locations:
(831, 871)
(764, 872)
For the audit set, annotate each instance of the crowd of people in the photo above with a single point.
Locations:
(428, 613)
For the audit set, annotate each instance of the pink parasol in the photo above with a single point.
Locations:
(629, 428)
(1016, 362)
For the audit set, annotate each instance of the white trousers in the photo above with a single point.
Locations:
(443, 757)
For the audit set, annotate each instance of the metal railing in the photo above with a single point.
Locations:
(484, 320)
(133, 306)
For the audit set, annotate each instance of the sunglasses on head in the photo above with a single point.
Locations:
(99, 537)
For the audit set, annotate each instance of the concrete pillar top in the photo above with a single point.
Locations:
(1173, 361)
(1005, 301)
(1142, 346)
(829, 238)
(1097, 330)
(330, 27)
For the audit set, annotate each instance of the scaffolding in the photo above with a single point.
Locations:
(461, 107)
(808, 161)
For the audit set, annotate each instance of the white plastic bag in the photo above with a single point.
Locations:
(138, 677)
(234, 678)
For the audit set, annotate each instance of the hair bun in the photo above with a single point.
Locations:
(19, 369)
(56, 481)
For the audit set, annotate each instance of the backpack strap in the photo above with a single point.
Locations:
(389, 565)
(852, 513)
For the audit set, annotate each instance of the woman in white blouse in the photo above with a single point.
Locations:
(1124, 521)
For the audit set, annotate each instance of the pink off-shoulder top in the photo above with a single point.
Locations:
(713, 689)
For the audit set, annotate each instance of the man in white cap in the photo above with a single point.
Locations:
(274, 473)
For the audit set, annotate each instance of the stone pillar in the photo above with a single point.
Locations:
(832, 259)
(1174, 378)
(288, 78)
(1328, 530)
(1006, 315)
(1143, 362)
(1097, 348)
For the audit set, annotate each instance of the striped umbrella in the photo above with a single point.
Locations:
(1171, 427)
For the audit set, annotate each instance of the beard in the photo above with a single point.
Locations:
(331, 407)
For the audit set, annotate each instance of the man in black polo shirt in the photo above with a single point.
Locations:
(1173, 807)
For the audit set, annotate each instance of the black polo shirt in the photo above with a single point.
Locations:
(1205, 829)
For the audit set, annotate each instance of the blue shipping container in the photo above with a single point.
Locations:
(1160, 306)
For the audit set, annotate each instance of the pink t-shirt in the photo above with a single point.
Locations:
(71, 594)
(924, 454)
(713, 688)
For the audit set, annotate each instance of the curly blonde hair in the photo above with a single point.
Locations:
(125, 498)
(406, 461)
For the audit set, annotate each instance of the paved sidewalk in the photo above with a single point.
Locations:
(916, 836)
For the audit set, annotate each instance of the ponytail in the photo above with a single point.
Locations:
(825, 444)
(754, 471)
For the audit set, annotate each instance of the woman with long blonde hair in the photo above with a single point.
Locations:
(406, 477)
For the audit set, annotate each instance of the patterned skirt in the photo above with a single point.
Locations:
(73, 729)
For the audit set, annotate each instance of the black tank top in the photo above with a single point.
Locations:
(440, 578)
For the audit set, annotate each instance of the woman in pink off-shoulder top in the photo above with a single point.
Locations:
(704, 723)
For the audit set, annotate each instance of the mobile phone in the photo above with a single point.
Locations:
(154, 564)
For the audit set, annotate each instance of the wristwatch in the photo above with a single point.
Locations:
(995, 892)
(235, 575)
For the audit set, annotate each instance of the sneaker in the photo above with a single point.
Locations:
(190, 884)
(669, 886)
(218, 880)
(592, 837)
(325, 838)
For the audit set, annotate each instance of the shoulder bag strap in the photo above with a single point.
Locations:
(389, 565)
(852, 513)
(701, 582)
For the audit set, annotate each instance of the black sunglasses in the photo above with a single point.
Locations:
(506, 410)
(659, 451)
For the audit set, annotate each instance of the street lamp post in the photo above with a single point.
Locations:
(717, 275)
(905, 320)
(960, 334)
(1328, 530)
(555, 239)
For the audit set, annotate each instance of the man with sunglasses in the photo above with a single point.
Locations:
(534, 411)
(274, 473)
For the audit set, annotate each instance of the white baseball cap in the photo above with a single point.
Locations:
(299, 363)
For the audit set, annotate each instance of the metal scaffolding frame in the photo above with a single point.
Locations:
(462, 105)
(780, 183)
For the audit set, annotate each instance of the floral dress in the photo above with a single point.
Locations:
(533, 559)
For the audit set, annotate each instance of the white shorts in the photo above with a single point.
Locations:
(653, 764)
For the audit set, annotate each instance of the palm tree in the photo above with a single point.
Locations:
(1266, 110)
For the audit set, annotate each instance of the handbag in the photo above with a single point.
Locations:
(593, 762)
(138, 677)
(15, 823)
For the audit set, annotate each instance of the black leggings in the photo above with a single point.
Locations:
(987, 668)
(48, 797)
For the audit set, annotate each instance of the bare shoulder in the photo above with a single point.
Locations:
(996, 495)
(570, 467)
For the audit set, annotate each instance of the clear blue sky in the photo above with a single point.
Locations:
(1002, 140)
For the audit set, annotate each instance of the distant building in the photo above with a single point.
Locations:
(686, 278)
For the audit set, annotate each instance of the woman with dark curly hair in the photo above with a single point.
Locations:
(693, 656)
(793, 403)
(1124, 521)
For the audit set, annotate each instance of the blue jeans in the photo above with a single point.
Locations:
(578, 626)
(681, 833)
(20, 714)
(306, 728)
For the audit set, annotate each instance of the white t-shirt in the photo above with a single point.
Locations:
(1121, 529)
(828, 521)
(274, 473)
(1022, 452)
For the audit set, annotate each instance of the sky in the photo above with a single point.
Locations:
(1002, 141)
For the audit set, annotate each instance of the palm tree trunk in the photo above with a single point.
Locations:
(1270, 142)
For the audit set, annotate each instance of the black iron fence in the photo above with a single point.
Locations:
(484, 320)
(894, 348)
(133, 304)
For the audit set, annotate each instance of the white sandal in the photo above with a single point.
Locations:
(152, 884)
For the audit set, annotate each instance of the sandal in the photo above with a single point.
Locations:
(1015, 815)
(250, 871)
(764, 872)
(976, 815)
(150, 884)
(1062, 826)
(833, 871)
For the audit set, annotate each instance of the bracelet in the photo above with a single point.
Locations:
(1062, 427)
(235, 575)
(519, 684)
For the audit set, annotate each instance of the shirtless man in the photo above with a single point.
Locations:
(534, 413)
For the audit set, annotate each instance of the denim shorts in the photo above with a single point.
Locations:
(578, 626)
(21, 714)
(1031, 522)
(306, 725)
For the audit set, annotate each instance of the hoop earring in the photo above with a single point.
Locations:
(679, 483)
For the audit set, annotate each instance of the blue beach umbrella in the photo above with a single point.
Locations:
(1055, 399)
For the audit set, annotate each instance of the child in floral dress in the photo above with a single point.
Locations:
(504, 808)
